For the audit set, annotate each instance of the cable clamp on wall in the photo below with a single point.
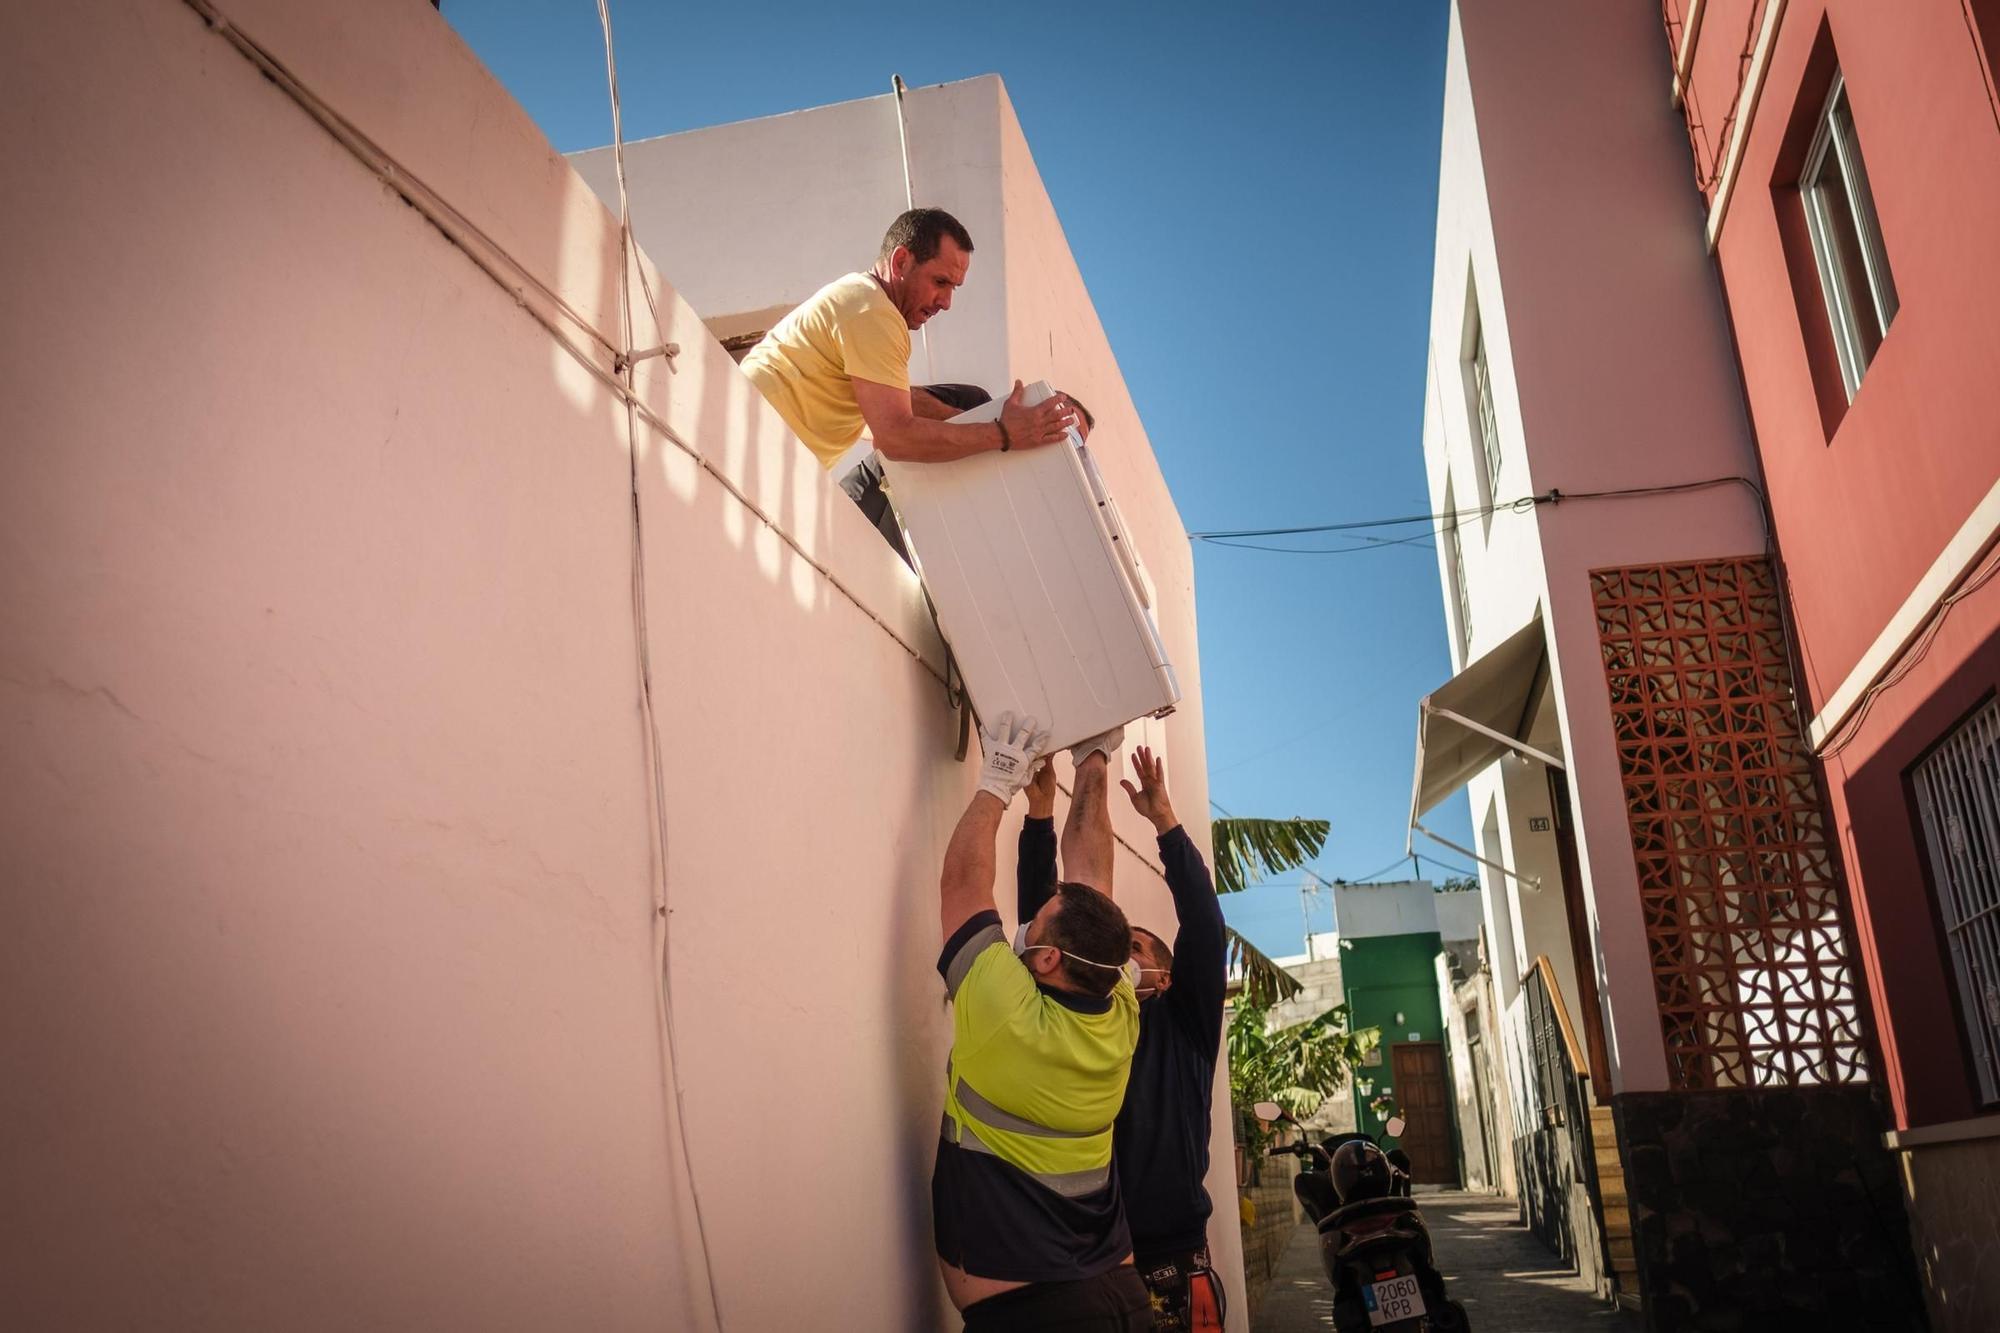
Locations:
(626, 360)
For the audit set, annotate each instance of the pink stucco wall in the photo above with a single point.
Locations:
(330, 958)
(1866, 496)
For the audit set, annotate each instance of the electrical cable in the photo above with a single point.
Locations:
(1376, 874)
(662, 908)
(1367, 544)
(1845, 734)
(1443, 522)
(1525, 502)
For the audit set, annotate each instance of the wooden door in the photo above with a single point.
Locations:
(1424, 1096)
(1482, 1106)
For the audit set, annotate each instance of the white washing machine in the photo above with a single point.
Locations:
(1038, 589)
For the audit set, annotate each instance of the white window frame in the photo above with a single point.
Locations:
(1958, 803)
(1461, 585)
(1485, 421)
(1836, 135)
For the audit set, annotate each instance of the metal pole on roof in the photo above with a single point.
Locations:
(897, 86)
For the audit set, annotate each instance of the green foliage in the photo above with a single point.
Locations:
(1465, 884)
(1264, 982)
(1298, 1067)
(1246, 850)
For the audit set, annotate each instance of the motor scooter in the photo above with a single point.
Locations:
(1373, 1244)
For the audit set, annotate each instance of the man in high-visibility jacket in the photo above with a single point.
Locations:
(1029, 1226)
(1162, 1129)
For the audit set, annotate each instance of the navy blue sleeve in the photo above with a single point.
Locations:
(975, 925)
(1035, 866)
(1201, 950)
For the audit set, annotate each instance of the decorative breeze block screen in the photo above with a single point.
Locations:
(1742, 904)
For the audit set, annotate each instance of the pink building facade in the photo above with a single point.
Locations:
(1849, 157)
(378, 957)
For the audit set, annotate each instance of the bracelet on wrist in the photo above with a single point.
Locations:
(1005, 442)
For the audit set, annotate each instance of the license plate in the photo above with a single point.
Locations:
(1396, 1299)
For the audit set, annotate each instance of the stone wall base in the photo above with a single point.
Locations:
(1766, 1209)
(1952, 1191)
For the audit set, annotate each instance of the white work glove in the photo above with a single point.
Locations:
(1107, 741)
(1011, 751)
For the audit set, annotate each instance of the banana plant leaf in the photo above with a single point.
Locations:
(1264, 982)
(1246, 850)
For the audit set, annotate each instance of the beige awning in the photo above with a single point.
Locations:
(1477, 716)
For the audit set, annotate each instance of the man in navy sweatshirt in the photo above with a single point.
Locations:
(1160, 1141)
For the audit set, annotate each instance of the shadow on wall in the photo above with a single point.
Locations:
(326, 756)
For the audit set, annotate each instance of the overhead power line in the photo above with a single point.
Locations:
(1443, 522)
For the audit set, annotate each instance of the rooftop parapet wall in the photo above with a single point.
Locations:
(326, 794)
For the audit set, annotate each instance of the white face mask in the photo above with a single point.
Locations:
(1130, 967)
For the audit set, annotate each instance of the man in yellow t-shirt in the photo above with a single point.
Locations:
(841, 363)
(1026, 1210)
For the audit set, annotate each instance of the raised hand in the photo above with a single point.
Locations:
(1012, 747)
(1042, 792)
(1150, 798)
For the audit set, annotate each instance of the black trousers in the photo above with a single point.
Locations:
(1113, 1302)
(864, 484)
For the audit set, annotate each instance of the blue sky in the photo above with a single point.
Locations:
(1274, 167)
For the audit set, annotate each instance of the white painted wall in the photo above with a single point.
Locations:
(1369, 911)
(1460, 915)
(1503, 569)
(826, 184)
(330, 976)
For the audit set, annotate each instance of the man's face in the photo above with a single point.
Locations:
(923, 290)
(1153, 974)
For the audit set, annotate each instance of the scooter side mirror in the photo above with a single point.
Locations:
(1268, 1112)
(1394, 1128)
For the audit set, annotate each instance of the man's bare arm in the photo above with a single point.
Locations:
(901, 433)
(1087, 852)
(966, 887)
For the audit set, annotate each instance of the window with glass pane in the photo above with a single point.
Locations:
(1958, 794)
(1489, 429)
(1456, 553)
(1847, 240)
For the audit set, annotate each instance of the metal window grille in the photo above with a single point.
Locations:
(1958, 796)
(1549, 1068)
(1489, 426)
(1742, 904)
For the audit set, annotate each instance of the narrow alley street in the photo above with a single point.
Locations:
(1505, 1278)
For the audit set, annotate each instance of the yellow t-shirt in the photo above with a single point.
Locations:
(849, 329)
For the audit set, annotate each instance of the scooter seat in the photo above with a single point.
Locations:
(1362, 1210)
